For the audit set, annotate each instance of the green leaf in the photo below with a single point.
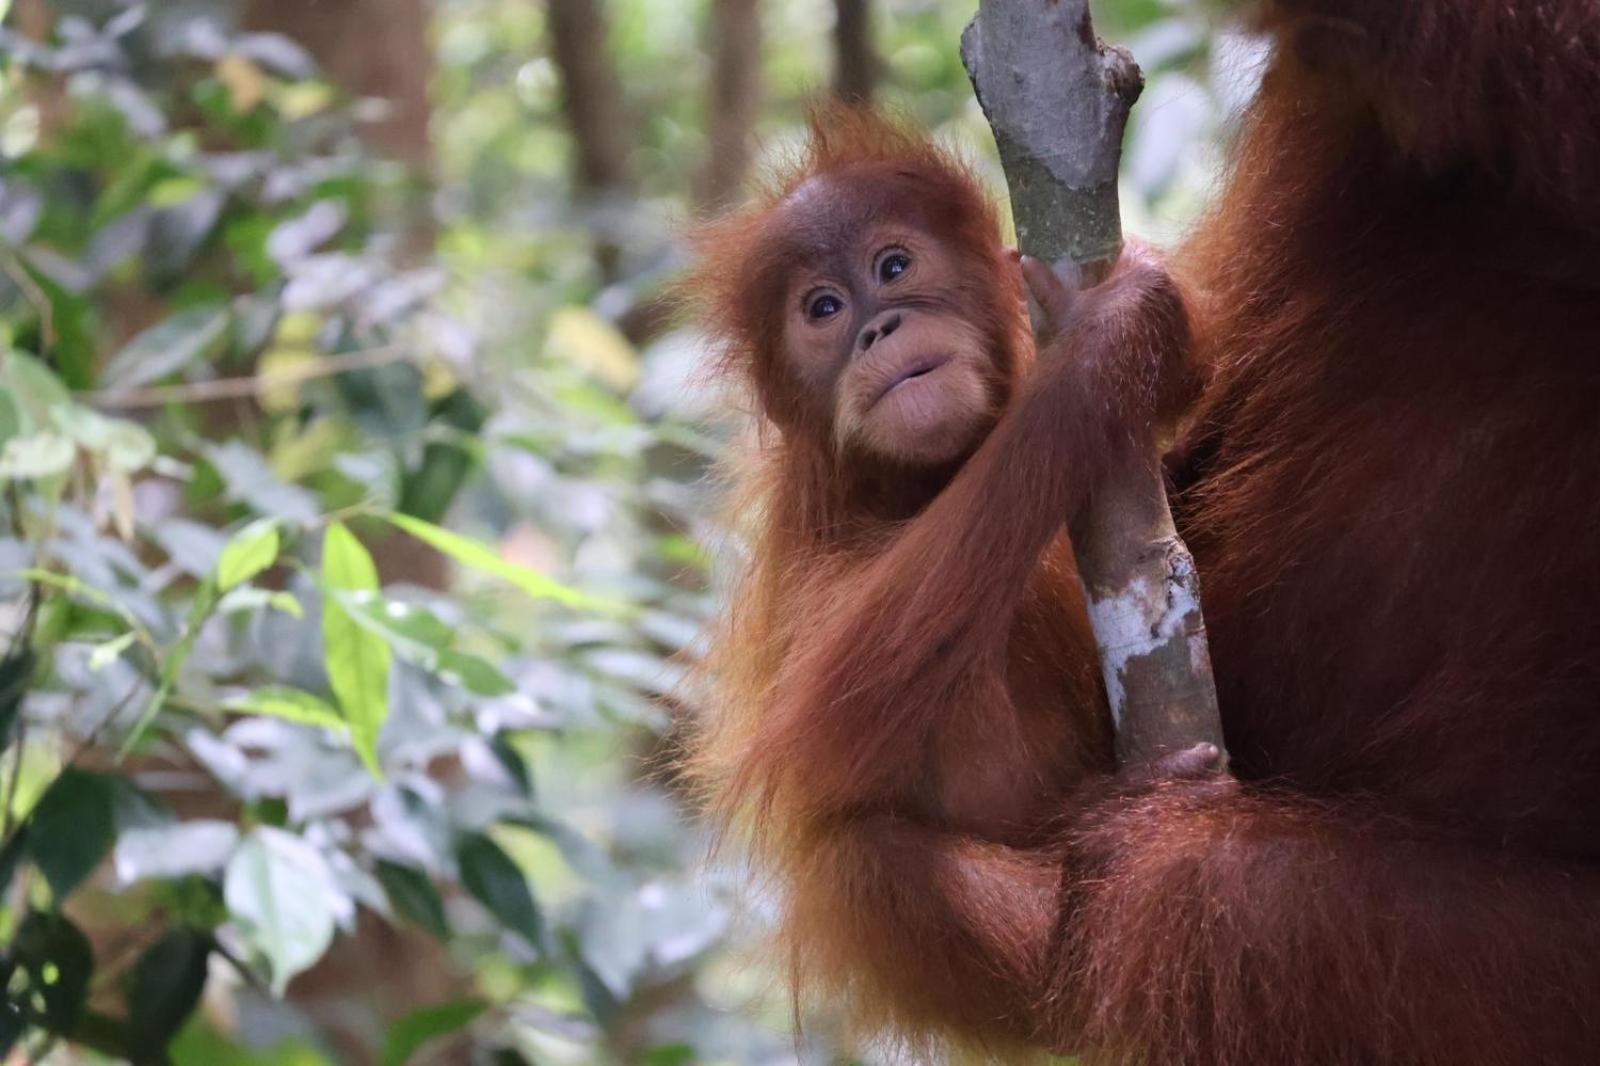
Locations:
(126, 446)
(406, 1036)
(11, 1024)
(469, 552)
(403, 623)
(346, 564)
(164, 989)
(35, 388)
(248, 598)
(285, 602)
(10, 413)
(205, 601)
(206, 1043)
(413, 895)
(277, 889)
(11, 853)
(168, 852)
(478, 676)
(166, 347)
(418, 636)
(73, 587)
(58, 962)
(506, 752)
(290, 704)
(247, 553)
(38, 455)
(498, 883)
(73, 828)
(356, 659)
(670, 1055)
(247, 477)
(178, 229)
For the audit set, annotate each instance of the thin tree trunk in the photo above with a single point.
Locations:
(735, 98)
(591, 94)
(1058, 100)
(856, 63)
(377, 49)
(34, 19)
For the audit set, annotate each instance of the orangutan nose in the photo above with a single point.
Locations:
(881, 327)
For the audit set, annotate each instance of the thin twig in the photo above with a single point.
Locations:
(21, 640)
(7, 828)
(249, 976)
(18, 273)
(89, 739)
(245, 387)
(110, 972)
(84, 745)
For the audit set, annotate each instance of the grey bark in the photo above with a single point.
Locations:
(1058, 101)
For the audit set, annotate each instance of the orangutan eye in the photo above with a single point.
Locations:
(825, 305)
(893, 265)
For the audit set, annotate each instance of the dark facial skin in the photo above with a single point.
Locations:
(879, 329)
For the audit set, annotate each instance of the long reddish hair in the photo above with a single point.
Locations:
(791, 503)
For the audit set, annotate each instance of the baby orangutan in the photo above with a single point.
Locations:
(907, 691)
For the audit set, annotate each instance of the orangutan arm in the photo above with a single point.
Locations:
(919, 633)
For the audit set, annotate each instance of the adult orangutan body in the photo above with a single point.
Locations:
(1386, 476)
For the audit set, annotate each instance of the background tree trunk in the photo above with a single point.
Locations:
(373, 48)
(856, 63)
(376, 49)
(34, 19)
(735, 34)
(591, 95)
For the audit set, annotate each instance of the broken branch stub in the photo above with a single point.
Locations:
(1057, 99)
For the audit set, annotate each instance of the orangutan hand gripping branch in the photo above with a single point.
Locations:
(1385, 371)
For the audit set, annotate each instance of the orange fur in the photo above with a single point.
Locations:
(900, 780)
(1388, 484)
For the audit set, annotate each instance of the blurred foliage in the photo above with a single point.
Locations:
(350, 547)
